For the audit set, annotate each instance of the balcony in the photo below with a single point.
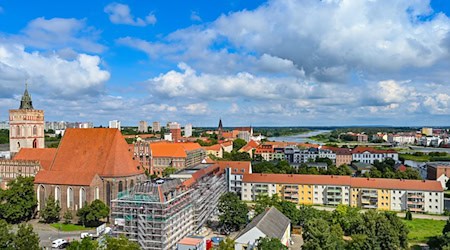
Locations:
(334, 190)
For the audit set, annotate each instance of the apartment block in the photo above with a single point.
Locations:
(158, 214)
(370, 155)
(234, 171)
(368, 193)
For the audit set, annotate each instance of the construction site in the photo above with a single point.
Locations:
(158, 214)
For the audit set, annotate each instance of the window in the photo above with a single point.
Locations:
(97, 193)
(58, 195)
(69, 197)
(82, 197)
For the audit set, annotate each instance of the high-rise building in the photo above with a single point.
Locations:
(156, 127)
(26, 126)
(114, 124)
(188, 130)
(175, 130)
(143, 127)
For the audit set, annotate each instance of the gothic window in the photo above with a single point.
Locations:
(35, 144)
(58, 195)
(82, 197)
(41, 197)
(69, 197)
(97, 193)
(120, 186)
(34, 130)
(17, 131)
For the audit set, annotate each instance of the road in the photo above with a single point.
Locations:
(47, 234)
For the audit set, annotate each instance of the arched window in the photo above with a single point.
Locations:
(120, 186)
(17, 131)
(35, 143)
(108, 193)
(131, 184)
(82, 197)
(41, 197)
(34, 130)
(22, 131)
(97, 193)
(69, 197)
(58, 195)
(18, 145)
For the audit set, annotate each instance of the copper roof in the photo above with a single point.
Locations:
(44, 155)
(87, 152)
(344, 181)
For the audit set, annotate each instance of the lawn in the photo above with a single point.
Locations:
(420, 230)
(423, 158)
(70, 227)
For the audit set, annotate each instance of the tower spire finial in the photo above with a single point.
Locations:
(26, 102)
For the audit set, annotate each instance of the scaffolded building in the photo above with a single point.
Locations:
(160, 213)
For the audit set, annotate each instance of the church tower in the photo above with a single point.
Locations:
(220, 129)
(26, 125)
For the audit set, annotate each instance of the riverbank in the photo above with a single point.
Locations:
(300, 138)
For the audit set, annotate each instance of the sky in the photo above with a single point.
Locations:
(260, 63)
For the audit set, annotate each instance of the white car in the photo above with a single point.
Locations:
(58, 243)
(84, 235)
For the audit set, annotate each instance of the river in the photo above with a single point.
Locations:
(300, 138)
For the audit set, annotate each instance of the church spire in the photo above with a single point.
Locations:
(26, 102)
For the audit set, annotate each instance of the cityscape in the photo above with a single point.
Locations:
(239, 125)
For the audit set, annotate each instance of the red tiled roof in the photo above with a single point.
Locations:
(87, 152)
(227, 143)
(344, 181)
(249, 146)
(227, 135)
(202, 172)
(44, 155)
(236, 166)
(359, 150)
(215, 147)
(167, 149)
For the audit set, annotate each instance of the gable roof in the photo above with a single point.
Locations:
(249, 146)
(236, 166)
(271, 222)
(45, 156)
(84, 153)
(360, 149)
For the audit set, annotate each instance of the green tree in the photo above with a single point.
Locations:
(446, 228)
(90, 215)
(169, 170)
(238, 144)
(358, 242)
(15, 208)
(85, 244)
(226, 244)
(233, 212)
(262, 202)
(50, 213)
(408, 215)
(121, 243)
(26, 238)
(318, 235)
(6, 237)
(270, 244)
(68, 216)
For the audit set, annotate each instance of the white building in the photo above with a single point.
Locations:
(188, 130)
(271, 224)
(370, 155)
(156, 127)
(143, 127)
(115, 124)
(234, 171)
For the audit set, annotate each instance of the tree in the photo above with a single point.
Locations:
(318, 234)
(50, 213)
(16, 208)
(121, 243)
(233, 212)
(238, 144)
(446, 228)
(6, 237)
(68, 216)
(226, 244)
(85, 244)
(26, 238)
(263, 202)
(270, 244)
(408, 215)
(90, 215)
(169, 170)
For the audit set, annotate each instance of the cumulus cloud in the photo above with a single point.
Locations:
(196, 108)
(52, 74)
(121, 14)
(59, 33)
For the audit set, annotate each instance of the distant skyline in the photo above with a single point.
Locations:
(260, 63)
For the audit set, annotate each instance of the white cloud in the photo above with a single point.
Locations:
(438, 103)
(59, 33)
(195, 16)
(51, 74)
(121, 14)
(197, 108)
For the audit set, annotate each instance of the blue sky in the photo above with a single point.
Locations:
(279, 62)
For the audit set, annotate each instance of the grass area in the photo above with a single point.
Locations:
(420, 230)
(69, 227)
(422, 158)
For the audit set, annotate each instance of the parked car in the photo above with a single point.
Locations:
(64, 245)
(84, 235)
(58, 243)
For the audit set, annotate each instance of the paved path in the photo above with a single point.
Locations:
(298, 242)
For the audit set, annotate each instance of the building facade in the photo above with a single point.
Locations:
(156, 127)
(234, 171)
(143, 127)
(382, 194)
(370, 155)
(159, 214)
(115, 124)
(26, 126)
(188, 130)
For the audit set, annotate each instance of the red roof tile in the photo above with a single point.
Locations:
(360, 149)
(44, 155)
(344, 181)
(87, 152)
(167, 149)
(236, 166)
